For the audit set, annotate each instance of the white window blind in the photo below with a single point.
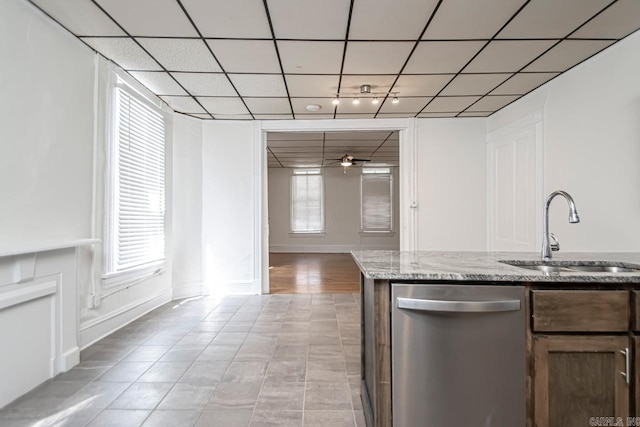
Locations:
(307, 204)
(377, 200)
(138, 178)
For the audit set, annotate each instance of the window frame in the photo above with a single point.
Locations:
(377, 171)
(298, 172)
(112, 277)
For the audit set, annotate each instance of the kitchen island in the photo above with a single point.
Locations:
(580, 333)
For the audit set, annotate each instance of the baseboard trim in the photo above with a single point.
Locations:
(96, 329)
(69, 359)
(321, 249)
(187, 290)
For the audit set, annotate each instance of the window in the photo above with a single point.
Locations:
(307, 201)
(377, 201)
(136, 194)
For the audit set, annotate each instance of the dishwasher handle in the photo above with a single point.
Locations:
(457, 306)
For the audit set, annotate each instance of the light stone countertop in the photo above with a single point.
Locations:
(485, 266)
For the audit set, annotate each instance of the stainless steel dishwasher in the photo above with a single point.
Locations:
(458, 354)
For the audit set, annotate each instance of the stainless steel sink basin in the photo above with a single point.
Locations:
(575, 266)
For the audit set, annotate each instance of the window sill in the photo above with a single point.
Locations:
(307, 234)
(127, 277)
(377, 233)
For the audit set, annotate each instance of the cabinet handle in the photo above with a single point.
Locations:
(627, 364)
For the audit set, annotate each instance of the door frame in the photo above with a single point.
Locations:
(408, 179)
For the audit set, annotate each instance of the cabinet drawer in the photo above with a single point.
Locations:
(580, 311)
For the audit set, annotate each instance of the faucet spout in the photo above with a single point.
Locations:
(573, 218)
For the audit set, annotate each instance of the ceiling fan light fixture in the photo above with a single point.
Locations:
(346, 161)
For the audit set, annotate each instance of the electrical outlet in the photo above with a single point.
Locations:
(96, 301)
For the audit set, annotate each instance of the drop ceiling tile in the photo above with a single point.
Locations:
(295, 148)
(159, 83)
(478, 19)
(522, 83)
(357, 136)
(268, 105)
(259, 84)
(309, 19)
(81, 17)
(309, 86)
(272, 137)
(150, 18)
(390, 20)
(232, 117)
(223, 106)
(181, 54)
(567, 54)
(376, 57)
(314, 116)
(493, 103)
(426, 85)
(436, 115)
(299, 106)
(442, 57)
(206, 84)
(355, 116)
(551, 19)
(379, 83)
(229, 19)
(124, 52)
(235, 58)
(395, 115)
(450, 104)
(475, 114)
(304, 57)
(334, 145)
(619, 20)
(200, 116)
(474, 84)
(273, 116)
(506, 55)
(406, 105)
(184, 104)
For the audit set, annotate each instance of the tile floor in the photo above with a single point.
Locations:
(276, 360)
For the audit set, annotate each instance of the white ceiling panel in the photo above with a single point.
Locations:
(406, 105)
(159, 83)
(184, 104)
(370, 144)
(395, 115)
(442, 57)
(390, 20)
(295, 148)
(309, 19)
(430, 115)
(232, 116)
(299, 106)
(259, 84)
(567, 53)
(201, 116)
(268, 105)
(427, 85)
(312, 86)
(273, 116)
(224, 106)
(619, 20)
(379, 83)
(263, 58)
(124, 52)
(506, 56)
(475, 114)
(357, 135)
(477, 19)
(474, 84)
(492, 103)
(376, 58)
(314, 116)
(204, 84)
(522, 83)
(450, 104)
(181, 54)
(150, 18)
(365, 106)
(81, 17)
(306, 57)
(293, 136)
(551, 18)
(229, 19)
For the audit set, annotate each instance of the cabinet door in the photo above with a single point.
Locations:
(636, 375)
(577, 377)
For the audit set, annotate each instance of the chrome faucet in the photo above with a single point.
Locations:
(573, 218)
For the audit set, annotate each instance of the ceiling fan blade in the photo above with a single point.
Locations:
(361, 160)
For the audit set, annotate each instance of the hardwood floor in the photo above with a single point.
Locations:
(296, 273)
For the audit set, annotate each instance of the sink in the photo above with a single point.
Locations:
(575, 266)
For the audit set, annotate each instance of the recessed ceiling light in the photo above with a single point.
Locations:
(313, 107)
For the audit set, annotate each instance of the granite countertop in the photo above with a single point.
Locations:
(485, 266)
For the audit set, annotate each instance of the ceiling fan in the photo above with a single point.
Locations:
(348, 160)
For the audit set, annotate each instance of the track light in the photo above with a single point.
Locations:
(336, 101)
(368, 93)
(356, 101)
(375, 100)
(395, 99)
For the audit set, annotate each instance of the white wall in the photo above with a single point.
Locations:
(342, 215)
(46, 117)
(591, 148)
(451, 164)
(230, 213)
(187, 206)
